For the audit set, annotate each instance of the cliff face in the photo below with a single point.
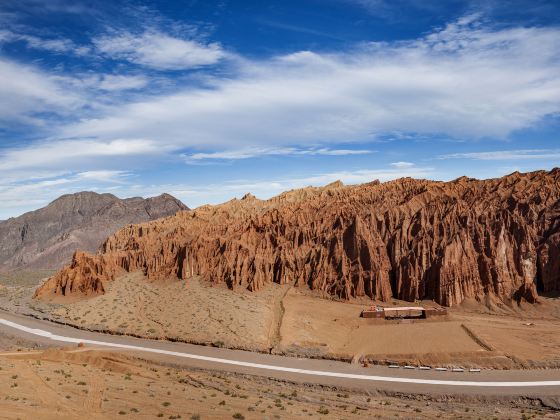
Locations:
(411, 239)
(47, 238)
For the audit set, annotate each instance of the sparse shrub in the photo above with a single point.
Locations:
(323, 410)
(238, 416)
(166, 403)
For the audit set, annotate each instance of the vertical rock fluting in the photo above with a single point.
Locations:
(412, 239)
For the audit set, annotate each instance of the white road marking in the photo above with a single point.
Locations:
(54, 337)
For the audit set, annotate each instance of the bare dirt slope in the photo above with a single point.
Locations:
(191, 311)
(47, 238)
(66, 383)
(286, 320)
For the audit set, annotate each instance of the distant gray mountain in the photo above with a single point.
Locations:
(47, 238)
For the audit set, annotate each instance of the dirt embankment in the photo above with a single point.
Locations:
(65, 383)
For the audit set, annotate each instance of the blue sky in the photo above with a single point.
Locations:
(208, 100)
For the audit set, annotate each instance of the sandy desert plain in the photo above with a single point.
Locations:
(61, 382)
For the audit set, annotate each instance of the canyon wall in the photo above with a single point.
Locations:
(409, 239)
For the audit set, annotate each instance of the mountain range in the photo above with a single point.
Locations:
(47, 238)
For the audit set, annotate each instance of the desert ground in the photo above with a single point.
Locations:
(38, 381)
(60, 383)
(286, 320)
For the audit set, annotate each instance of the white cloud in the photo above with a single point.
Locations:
(57, 45)
(117, 177)
(159, 51)
(253, 152)
(507, 155)
(121, 82)
(72, 153)
(464, 81)
(26, 91)
(402, 165)
(29, 91)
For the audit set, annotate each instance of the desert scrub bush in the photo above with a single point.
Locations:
(323, 410)
(166, 403)
(238, 416)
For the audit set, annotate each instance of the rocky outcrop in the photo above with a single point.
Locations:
(411, 239)
(47, 238)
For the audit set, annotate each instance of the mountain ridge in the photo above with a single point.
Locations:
(410, 239)
(47, 237)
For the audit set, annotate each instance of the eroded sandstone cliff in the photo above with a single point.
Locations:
(411, 239)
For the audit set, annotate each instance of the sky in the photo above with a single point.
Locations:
(208, 100)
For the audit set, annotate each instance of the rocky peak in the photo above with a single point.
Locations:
(46, 238)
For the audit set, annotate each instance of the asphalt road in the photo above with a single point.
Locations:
(535, 383)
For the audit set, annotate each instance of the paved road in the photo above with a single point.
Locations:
(515, 382)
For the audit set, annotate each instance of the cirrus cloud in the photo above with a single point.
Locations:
(158, 50)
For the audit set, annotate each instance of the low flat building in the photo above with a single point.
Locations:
(398, 312)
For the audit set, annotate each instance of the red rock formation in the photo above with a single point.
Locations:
(412, 239)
